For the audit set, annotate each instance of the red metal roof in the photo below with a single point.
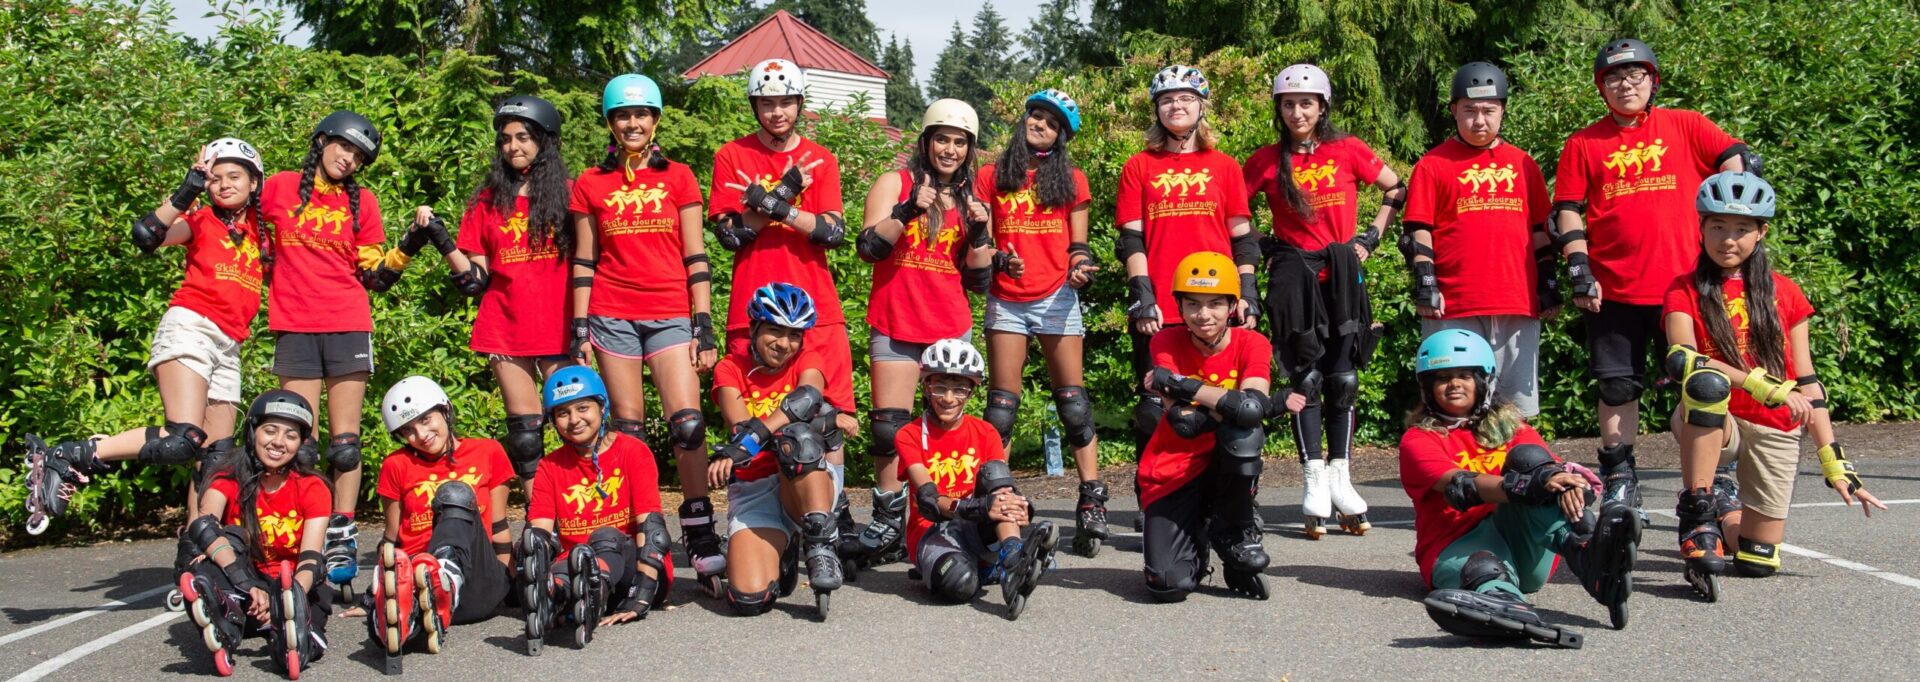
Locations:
(783, 36)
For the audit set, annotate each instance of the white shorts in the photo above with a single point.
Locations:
(1516, 354)
(197, 343)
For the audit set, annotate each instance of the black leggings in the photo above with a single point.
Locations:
(1341, 356)
(1213, 505)
(487, 580)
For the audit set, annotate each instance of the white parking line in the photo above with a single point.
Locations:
(83, 650)
(1889, 576)
(1843, 504)
(83, 615)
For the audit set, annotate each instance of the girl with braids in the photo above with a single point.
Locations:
(641, 215)
(1733, 322)
(263, 520)
(195, 356)
(514, 243)
(1319, 316)
(1039, 204)
(326, 240)
(925, 225)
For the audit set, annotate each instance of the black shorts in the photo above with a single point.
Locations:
(1618, 336)
(299, 355)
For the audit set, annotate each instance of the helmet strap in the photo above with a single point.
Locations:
(1489, 145)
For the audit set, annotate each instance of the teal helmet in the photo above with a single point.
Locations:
(1452, 348)
(630, 90)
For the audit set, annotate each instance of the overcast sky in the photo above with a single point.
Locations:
(927, 25)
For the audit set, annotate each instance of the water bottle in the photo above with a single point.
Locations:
(1055, 467)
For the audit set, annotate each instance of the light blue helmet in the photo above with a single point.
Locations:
(572, 384)
(1059, 103)
(1735, 193)
(1449, 348)
(630, 90)
(783, 305)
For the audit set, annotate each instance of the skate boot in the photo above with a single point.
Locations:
(1316, 504)
(880, 541)
(394, 613)
(1617, 469)
(294, 642)
(1494, 614)
(438, 580)
(533, 556)
(1348, 507)
(588, 593)
(823, 566)
(1023, 563)
(54, 474)
(1701, 542)
(1090, 519)
(1242, 558)
(342, 551)
(709, 557)
(219, 615)
(1603, 559)
(847, 537)
(789, 569)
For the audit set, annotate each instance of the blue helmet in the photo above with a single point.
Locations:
(1449, 348)
(1059, 103)
(1735, 193)
(630, 90)
(572, 384)
(783, 305)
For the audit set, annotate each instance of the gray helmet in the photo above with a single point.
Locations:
(531, 109)
(1624, 51)
(1479, 80)
(353, 128)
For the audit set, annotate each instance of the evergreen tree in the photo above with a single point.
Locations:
(904, 101)
(1056, 39)
(952, 70)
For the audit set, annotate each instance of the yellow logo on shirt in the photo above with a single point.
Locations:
(516, 227)
(1642, 158)
(1186, 182)
(1016, 201)
(1489, 179)
(247, 253)
(280, 531)
(1481, 461)
(760, 406)
(918, 233)
(1214, 379)
(428, 488)
(1317, 176)
(319, 219)
(633, 200)
(587, 490)
(953, 468)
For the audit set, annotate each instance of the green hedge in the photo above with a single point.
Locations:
(106, 107)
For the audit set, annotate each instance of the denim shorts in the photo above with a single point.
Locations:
(1056, 315)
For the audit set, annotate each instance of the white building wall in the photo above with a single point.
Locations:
(836, 89)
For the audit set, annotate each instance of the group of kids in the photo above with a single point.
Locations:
(610, 266)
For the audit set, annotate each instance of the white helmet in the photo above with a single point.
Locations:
(776, 78)
(953, 356)
(1305, 78)
(233, 149)
(952, 113)
(409, 399)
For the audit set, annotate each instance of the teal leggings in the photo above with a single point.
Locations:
(1522, 536)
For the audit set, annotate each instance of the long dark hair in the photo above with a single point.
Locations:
(546, 181)
(1052, 180)
(1494, 422)
(347, 184)
(1323, 132)
(921, 165)
(1764, 336)
(241, 465)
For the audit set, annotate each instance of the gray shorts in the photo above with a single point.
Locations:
(883, 348)
(1056, 315)
(756, 504)
(638, 339)
(1516, 354)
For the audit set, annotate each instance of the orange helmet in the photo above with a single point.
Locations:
(1207, 272)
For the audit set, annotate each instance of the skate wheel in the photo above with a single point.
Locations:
(211, 637)
(1016, 603)
(176, 602)
(38, 522)
(1086, 545)
(386, 555)
(433, 640)
(293, 665)
(582, 635)
(393, 640)
(821, 602)
(347, 595)
(711, 585)
(223, 663)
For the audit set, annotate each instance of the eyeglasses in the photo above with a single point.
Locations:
(950, 392)
(1634, 77)
(1179, 99)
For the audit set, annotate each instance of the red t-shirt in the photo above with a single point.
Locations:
(1788, 301)
(641, 276)
(779, 253)
(223, 280)
(567, 489)
(1425, 458)
(1329, 176)
(1183, 203)
(1170, 461)
(1639, 184)
(524, 310)
(953, 458)
(763, 389)
(917, 293)
(1482, 204)
(412, 480)
(316, 289)
(283, 514)
(1038, 232)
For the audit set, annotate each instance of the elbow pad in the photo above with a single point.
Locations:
(1246, 249)
(473, 282)
(977, 280)
(1128, 243)
(379, 279)
(872, 247)
(829, 230)
(732, 232)
(149, 232)
(1461, 493)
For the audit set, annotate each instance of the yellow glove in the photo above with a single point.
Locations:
(1770, 391)
(369, 256)
(1837, 470)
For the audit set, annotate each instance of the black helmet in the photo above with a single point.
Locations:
(353, 128)
(281, 403)
(531, 109)
(1479, 80)
(1624, 51)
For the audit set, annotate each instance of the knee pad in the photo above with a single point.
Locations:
(457, 500)
(631, 427)
(1146, 416)
(799, 449)
(653, 551)
(1171, 587)
(687, 429)
(1189, 421)
(1003, 408)
(1238, 449)
(1526, 457)
(181, 445)
(1076, 414)
(1617, 391)
(1483, 567)
(994, 475)
(343, 452)
(750, 603)
(1705, 394)
(1342, 390)
(203, 531)
(954, 578)
(1756, 559)
(524, 443)
(886, 424)
(308, 453)
(606, 541)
